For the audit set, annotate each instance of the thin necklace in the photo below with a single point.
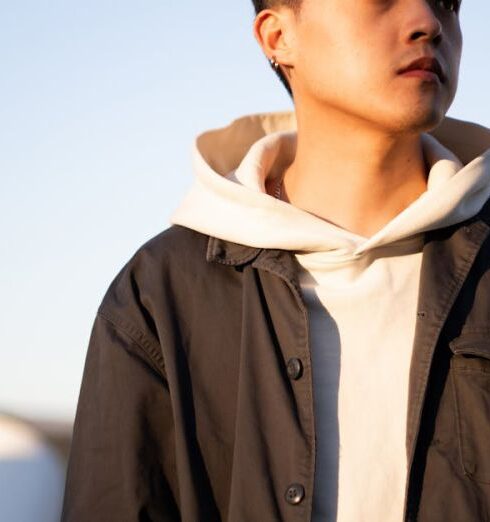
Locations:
(278, 189)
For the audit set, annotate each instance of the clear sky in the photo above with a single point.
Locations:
(100, 103)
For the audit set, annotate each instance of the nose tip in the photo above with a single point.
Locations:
(433, 33)
(426, 25)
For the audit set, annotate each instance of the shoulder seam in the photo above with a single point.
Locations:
(138, 337)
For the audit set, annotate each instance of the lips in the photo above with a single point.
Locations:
(428, 64)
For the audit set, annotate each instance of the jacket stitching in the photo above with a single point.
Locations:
(470, 331)
(143, 343)
(469, 369)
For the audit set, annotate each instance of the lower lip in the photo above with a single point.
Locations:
(428, 76)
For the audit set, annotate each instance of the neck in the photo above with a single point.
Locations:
(352, 175)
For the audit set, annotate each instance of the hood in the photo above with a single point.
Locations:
(228, 200)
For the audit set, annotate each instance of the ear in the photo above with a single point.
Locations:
(274, 31)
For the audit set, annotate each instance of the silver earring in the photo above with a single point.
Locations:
(273, 62)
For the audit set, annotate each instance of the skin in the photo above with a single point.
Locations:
(359, 159)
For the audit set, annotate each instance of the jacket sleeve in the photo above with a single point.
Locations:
(122, 463)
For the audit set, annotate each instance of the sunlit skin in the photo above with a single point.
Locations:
(359, 160)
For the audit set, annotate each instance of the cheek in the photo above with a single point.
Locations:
(330, 66)
(455, 62)
(454, 41)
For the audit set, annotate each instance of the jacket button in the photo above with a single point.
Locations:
(294, 369)
(295, 494)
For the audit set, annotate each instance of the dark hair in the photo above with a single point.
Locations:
(260, 5)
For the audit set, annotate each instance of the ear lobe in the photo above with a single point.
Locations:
(274, 33)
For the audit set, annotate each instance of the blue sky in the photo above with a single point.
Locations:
(100, 103)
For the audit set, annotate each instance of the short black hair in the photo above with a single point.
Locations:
(260, 5)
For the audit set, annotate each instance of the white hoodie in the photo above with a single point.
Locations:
(361, 293)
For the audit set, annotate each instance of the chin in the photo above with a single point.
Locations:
(418, 120)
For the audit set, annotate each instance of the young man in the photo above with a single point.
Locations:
(310, 340)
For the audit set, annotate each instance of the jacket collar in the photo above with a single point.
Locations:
(229, 253)
(278, 262)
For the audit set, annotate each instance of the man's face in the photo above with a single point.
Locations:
(352, 56)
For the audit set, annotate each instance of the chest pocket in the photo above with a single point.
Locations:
(470, 373)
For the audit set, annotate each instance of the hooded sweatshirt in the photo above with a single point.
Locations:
(361, 293)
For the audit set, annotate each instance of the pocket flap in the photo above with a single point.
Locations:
(476, 344)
